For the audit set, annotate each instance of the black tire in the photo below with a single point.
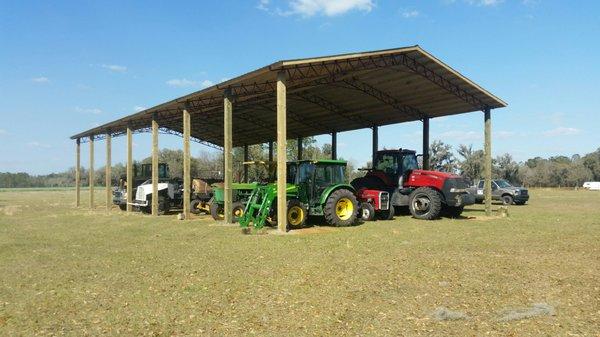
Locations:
(237, 210)
(453, 212)
(123, 207)
(425, 203)
(217, 211)
(194, 206)
(367, 211)
(507, 199)
(341, 208)
(164, 205)
(520, 203)
(387, 214)
(296, 214)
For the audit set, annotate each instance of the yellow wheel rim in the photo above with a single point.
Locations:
(344, 209)
(295, 216)
(238, 212)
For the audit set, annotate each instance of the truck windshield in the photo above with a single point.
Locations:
(503, 183)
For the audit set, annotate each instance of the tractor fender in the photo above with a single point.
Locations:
(334, 188)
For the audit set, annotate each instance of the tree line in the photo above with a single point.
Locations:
(558, 171)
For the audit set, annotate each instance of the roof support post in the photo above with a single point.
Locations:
(299, 141)
(228, 153)
(91, 172)
(487, 151)
(186, 164)
(281, 153)
(77, 172)
(154, 166)
(426, 143)
(246, 159)
(129, 169)
(334, 145)
(108, 173)
(375, 144)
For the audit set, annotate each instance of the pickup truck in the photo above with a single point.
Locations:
(503, 191)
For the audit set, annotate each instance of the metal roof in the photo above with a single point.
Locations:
(324, 94)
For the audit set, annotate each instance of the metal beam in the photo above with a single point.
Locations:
(334, 145)
(375, 144)
(487, 150)
(281, 153)
(91, 173)
(187, 183)
(78, 172)
(154, 167)
(426, 143)
(228, 152)
(108, 173)
(129, 169)
(299, 144)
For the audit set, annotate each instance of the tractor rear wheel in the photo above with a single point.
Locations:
(217, 211)
(194, 206)
(341, 208)
(425, 203)
(123, 207)
(296, 214)
(367, 211)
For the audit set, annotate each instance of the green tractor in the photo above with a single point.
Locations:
(240, 195)
(314, 188)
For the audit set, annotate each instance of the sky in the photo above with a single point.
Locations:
(67, 66)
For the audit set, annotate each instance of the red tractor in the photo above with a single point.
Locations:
(428, 194)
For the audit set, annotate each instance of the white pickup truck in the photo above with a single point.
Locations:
(592, 185)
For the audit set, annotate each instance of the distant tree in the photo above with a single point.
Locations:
(506, 168)
(471, 165)
(441, 157)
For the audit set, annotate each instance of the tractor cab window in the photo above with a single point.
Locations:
(327, 175)
(291, 173)
(163, 171)
(387, 163)
(305, 172)
(409, 162)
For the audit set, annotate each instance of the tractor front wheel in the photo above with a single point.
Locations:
(425, 203)
(194, 206)
(296, 214)
(217, 211)
(237, 208)
(386, 215)
(367, 211)
(341, 208)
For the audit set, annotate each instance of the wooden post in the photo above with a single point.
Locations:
(334, 145)
(299, 142)
(108, 173)
(78, 172)
(426, 143)
(129, 169)
(281, 153)
(91, 172)
(187, 181)
(487, 149)
(246, 159)
(375, 144)
(154, 166)
(228, 152)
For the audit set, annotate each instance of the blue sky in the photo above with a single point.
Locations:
(66, 66)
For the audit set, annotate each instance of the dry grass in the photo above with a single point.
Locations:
(67, 271)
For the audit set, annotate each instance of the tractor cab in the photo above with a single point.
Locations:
(391, 165)
(314, 177)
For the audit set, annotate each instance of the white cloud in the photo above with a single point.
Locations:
(206, 83)
(138, 108)
(40, 79)
(485, 2)
(114, 68)
(408, 14)
(181, 83)
(185, 83)
(562, 131)
(263, 5)
(39, 145)
(308, 8)
(3, 132)
(93, 111)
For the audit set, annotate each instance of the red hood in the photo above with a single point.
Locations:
(438, 174)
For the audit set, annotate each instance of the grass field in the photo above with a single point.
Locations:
(68, 271)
